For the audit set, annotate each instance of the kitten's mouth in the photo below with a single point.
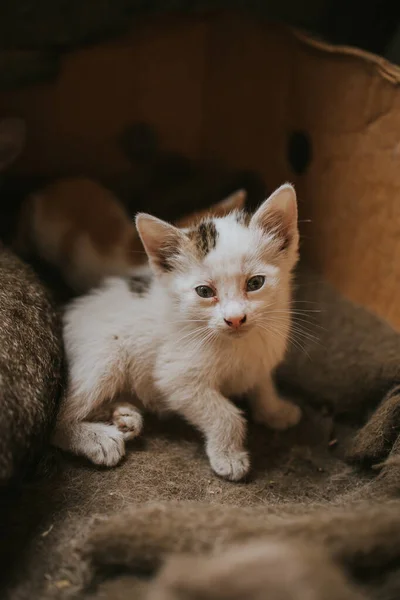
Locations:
(237, 332)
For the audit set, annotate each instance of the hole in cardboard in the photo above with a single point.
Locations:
(299, 151)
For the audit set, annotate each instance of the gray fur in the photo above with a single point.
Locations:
(30, 347)
(242, 217)
(30, 366)
(139, 284)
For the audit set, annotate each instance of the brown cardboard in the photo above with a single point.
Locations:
(266, 82)
(230, 87)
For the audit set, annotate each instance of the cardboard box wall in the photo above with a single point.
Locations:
(229, 87)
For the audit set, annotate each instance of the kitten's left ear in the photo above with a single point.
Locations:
(278, 215)
(234, 201)
(161, 240)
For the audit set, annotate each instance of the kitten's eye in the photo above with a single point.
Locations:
(255, 283)
(205, 291)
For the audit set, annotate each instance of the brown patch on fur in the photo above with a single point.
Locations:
(81, 228)
(243, 217)
(204, 237)
(139, 284)
(88, 207)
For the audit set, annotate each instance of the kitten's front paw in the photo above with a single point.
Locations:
(128, 420)
(286, 414)
(105, 445)
(232, 465)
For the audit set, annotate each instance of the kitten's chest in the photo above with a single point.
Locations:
(240, 371)
(238, 382)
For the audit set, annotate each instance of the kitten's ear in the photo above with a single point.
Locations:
(234, 201)
(12, 140)
(161, 241)
(278, 215)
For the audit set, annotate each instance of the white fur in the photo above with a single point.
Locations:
(173, 350)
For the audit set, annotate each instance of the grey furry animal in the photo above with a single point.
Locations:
(30, 366)
(30, 348)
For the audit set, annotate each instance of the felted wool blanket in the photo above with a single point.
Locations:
(319, 512)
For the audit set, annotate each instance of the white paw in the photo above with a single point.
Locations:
(104, 445)
(285, 415)
(232, 465)
(128, 420)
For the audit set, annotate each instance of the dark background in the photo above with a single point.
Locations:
(33, 33)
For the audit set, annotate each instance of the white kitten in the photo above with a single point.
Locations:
(212, 322)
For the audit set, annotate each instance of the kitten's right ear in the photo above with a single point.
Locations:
(12, 140)
(278, 215)
(162, 241)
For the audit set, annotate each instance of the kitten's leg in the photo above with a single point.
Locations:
(102, 444)
(223, 426)
(97, 373)
(270, 409)
(75, 430)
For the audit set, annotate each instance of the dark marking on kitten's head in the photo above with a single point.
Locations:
(139, 284)
(242, 217)
(204, 236)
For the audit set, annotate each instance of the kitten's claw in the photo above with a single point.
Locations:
(128, 421)
(105, 446)
(286, 415)
(230, 465)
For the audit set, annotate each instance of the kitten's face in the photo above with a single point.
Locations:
(227, 274)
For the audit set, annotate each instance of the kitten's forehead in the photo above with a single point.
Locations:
(212, 232)
(237, 241)
(228, 242)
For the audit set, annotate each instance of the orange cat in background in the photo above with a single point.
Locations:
(82, 228)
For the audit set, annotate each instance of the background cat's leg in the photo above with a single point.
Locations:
(223, 426)
(100, 443)
(270, 409)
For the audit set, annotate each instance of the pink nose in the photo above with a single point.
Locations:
(236, 322)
